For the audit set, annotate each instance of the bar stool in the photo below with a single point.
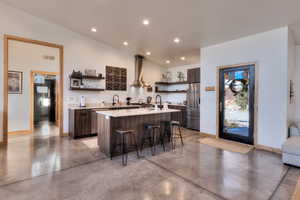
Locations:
(170, 128)
(152, 133)
(125, 134)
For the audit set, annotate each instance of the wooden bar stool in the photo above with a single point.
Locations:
(153, 134)
(124, 135)
(174, 134)
(170, 130)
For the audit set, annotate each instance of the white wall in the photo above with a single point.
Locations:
(80, 52)
(26, 57)
(269, 51)
(291, 75)
(296, 78)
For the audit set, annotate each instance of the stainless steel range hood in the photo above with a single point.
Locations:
(138, 77)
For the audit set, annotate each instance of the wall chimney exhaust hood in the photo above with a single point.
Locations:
(138, 67)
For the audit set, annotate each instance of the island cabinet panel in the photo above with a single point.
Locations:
(104, 133)
(108, 140)
(94, 122)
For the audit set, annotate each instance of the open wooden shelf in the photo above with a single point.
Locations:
(88, 77)
(174, 91)
(92, 77)
(86, 89)
(171, 83)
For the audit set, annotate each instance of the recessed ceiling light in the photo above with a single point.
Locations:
(182, 58)
(168, 62)
(176, 40)
(125, 43)
(146, 22)
(94, 29)
(148, 53)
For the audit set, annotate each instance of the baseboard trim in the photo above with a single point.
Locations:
(208, 135)
(65, 134)
(21, 132)
(266, 148)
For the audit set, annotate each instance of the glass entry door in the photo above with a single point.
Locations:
(236, 101)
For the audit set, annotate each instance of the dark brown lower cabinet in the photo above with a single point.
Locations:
(179, 116)
(83, 122)
(80, 123)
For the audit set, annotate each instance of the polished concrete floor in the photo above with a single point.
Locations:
(59, 168)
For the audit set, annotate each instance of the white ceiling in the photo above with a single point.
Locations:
(197, 23)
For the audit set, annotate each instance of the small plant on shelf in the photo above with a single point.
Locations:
(180, 76)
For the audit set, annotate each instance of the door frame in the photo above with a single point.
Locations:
(57, 96)
(7, 38)
(219, 68)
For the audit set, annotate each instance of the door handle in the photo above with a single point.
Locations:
(221, 106)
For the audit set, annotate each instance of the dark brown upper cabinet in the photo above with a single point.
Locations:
(193, 75)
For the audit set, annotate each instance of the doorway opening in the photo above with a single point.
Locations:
(236, 106)
(45, 95)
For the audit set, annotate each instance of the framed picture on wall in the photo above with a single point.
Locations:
(15, 82)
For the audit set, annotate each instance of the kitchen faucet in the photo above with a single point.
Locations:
(158, 96)
(114, 103)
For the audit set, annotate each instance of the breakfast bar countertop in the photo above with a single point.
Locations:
(103, 107)
(135, 112)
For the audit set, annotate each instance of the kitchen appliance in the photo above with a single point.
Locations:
(90, 72)
(149, 99)
(138, 73)
(165, 106)
(128, 99)
(193, 106)
(82, 101)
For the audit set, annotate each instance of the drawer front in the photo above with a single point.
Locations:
(193, 123)
(195, 113)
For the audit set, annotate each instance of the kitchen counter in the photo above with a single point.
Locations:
(182, 105)
(134, 112)
(116, 107)
(103, 107)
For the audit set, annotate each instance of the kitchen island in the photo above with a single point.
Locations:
(134, 119)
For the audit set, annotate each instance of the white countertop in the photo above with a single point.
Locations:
(134, 112)
(102, 107)
(177, 105)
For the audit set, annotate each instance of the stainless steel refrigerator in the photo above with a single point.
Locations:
(193, 106)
